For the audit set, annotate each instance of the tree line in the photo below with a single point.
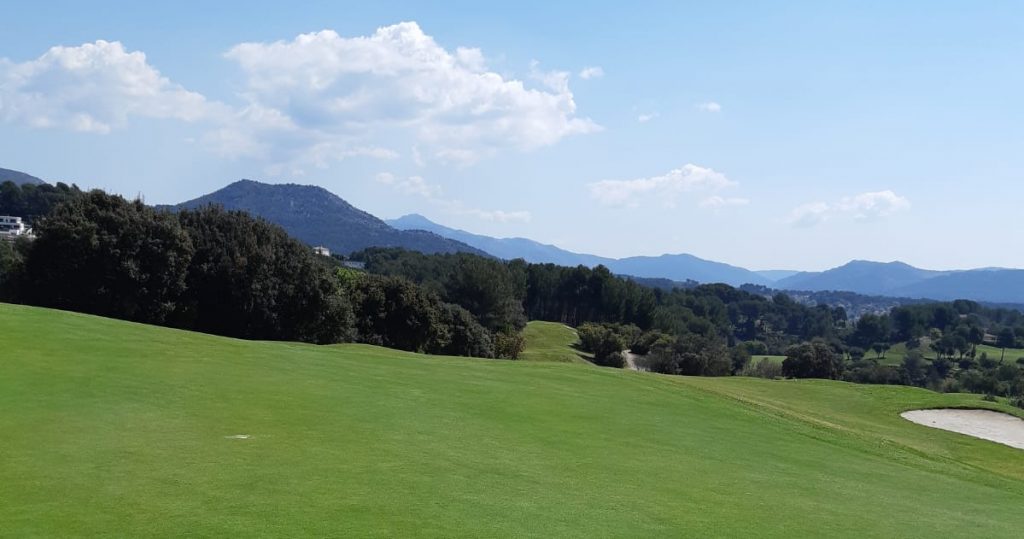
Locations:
(224, 273)
(228, 273)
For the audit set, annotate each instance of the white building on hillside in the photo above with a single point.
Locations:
(12, 227)
(321, 250)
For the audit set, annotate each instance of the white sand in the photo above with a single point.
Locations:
(988, 425)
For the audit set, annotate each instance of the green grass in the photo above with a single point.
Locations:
(754, 360)
(896, 353)
(115, 429)
(1012, 354)
(551, 341)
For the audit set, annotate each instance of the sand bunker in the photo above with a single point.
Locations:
(995, 426)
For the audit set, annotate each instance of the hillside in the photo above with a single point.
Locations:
(995, 285)
(505, 248)
(318, 217)
(861, 276)
(20, 178)
(112, 428)
(675, 267)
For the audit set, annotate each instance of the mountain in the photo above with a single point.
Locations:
(861, 276)
(318, 217)
(506, 248)
(685, 267)
(675, 267)
(776, 275)
(989, 285)
(20, 178)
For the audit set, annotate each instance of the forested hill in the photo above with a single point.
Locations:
(20, 178)
(674, 267)
(318, 217)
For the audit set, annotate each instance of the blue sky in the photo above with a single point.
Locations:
(764, 134)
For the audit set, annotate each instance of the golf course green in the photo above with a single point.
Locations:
(116, 429)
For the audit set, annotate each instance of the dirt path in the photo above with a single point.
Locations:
(631, 359)
(994, 426)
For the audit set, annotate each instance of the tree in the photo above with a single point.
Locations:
(1006, 339)
(812, 360)
(462, 336)
(100, 254)
(247, 278)
(11, 261)
(396, 313)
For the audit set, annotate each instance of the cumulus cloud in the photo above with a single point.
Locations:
(341, 90)
(863, 207)
(665, 188)
(644, 118)
(593, 72)
(709, 106)
(868, 206)
(95, 87)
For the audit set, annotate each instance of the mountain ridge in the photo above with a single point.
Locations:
(676, 267)
(318, 217)
(18, 177)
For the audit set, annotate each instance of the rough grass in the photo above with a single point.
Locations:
(118, 429)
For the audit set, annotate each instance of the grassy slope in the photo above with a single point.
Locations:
(551, 341)
(772, 359)
(895, 354)
(112, 428)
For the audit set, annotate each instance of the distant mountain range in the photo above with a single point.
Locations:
(318, 217)
(20, 178)
(676, 267)
(891, 279)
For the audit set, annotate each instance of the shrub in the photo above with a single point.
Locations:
(508, 345)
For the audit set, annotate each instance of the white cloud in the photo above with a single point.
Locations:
(644, 118)
(386, 178)
(497, 215)
(709, 106)
(809, 214)
(592, 72)
(95, 87)
(716, 201)
(868, 206)
(862, 207)
(416, 185)
(665, 188)
(351, 90)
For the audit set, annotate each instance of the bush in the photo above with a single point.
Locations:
(508, 345)
(812, 360)
(461, 334)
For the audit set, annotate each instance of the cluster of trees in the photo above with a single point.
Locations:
(513, 291)
(32, 201)
(225, 273)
